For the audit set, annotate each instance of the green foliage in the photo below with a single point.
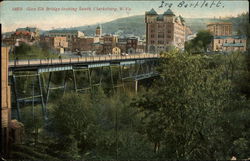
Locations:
(25, 51)
(197, 109)
(199, 43)
(31, 153)
(183, 113)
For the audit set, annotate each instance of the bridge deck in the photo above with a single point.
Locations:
(34, 63)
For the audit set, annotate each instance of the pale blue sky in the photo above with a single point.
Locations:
(54, 19)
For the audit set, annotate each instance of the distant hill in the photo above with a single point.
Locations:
(129, 25)
(135, 25)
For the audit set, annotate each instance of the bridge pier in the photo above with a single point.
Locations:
(119, 80)
(44, 110)
(18, 98)
(91, 75)
(89, 80)
(74, 79)
(136, 86)
(48, 89)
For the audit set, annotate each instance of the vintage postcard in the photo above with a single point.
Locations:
(125, 80)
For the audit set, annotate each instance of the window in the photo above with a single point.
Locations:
(161, 36)
(160, 42)
(152, 36)
(219, 42)
(152, 42)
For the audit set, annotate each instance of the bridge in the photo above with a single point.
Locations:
(39, 75)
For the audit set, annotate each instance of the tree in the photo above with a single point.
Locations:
(70, 120)
(181, 112)
(200, 43)
(25, 51)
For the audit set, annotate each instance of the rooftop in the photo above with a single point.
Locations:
(63, 31)
(220, 23)
(22, 32)
(151, 12)
(169, 12)
(98, 27)
(30, 29)
(234, 37)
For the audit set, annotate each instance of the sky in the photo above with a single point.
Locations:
(47, 15)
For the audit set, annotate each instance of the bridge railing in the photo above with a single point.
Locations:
(55, 61)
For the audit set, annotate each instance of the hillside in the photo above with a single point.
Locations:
(135, 25)
(129, 25)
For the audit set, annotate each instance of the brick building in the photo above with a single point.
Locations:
(57, 43)
(109, 42)
(122, 44)
(131, 45)
(84, 43)
(220, 28)
(164, 31)
(69, 34)
(28, 33)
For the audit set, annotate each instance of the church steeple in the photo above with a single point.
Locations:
(98, 31)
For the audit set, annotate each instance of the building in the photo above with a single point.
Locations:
(116, 51)
(98, 31)
(110, 39)
(109, 42)
(97, 48)
(84, 43)
(141, 47)
(26, 35)
(220, 28)
(122, 44)
(10, 41)
(23, 35)
(229, 43)
(223, 39)
(164, 31)
(58, 43)
(34, 32)
(131, 45)
(69, 34)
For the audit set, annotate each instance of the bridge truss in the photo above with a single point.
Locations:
(83, 77)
